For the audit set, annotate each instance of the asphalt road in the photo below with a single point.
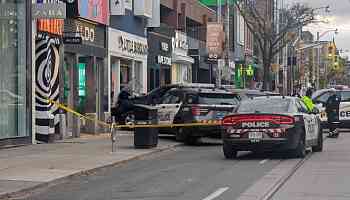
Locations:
(184, 173)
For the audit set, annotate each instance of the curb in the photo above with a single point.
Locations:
(26, 191)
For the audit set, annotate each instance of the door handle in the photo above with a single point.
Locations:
(177, 106)
(163, 106)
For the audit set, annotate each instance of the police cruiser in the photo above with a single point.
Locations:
(320, 98)
(276, 123)
(195, 105)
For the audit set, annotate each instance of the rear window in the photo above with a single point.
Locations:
(217, 99)
(264, 105)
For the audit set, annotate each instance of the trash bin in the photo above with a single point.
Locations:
(145, 137)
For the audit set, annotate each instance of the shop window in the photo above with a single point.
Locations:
(13, 108)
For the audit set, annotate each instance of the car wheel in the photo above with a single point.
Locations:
(319, 146)
(180, 134)
(300, 151)
(229, 151)
(191, 140)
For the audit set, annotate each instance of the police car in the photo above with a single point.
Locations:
(195, 105)
(320, 98)
(274, 124)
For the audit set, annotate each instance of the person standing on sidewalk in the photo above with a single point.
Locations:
(332, 110)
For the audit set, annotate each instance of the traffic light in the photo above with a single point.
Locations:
(330, 52)
(250, 70)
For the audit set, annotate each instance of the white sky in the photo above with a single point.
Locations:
(339, 18)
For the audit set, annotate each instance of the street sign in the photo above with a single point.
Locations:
(72, 40)
(49, 11)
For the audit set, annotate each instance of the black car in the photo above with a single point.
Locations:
(195, 105)
(247, 93)
(273, 123)
(155, 95)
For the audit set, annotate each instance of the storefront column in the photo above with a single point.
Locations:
(117, 81)
(109, 82)
(75, 93)
(144, 77)
(133, 76)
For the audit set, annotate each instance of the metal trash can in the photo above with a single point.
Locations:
(145, 137)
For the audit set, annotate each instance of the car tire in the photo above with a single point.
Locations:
(229, 151)
(300, 151)
(191, 140)
(180, 134)
(319, 146)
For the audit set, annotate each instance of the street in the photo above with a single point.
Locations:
(199, 172)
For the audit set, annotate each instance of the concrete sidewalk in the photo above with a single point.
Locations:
(325, 176)
(28, 167)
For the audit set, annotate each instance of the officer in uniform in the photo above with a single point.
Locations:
(308, 100)
(332, 110)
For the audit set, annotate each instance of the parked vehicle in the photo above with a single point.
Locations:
(154, 96)
(273, 123)
(195, 105)
(320, 98)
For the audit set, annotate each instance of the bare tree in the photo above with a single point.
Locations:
(260, 20)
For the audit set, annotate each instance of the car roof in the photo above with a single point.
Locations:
(274, 97)
(202, 90)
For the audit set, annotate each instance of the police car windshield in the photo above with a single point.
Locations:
(264, 105)
(217, 99)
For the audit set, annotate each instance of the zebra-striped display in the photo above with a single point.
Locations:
(47, 86)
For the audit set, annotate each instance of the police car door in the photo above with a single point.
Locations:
(344, 107)
(169, 107)
(310, 122)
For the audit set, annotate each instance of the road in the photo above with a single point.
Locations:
(198, 173)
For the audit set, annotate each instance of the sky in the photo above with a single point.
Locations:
(339, 18)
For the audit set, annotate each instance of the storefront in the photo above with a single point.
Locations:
(15, 76)
(159, 58)
(181, 62)
(127, 56)
(84, 69)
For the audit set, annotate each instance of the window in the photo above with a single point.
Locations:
(171, 98)
(323, 97)
(345, 96)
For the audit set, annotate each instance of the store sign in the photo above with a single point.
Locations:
(49, 11)
(180, 44)
(164, 46)
(53, 26)
(72, 40)
(132, 46)
(163, 60)
(215, 39)
(86, 31)
(180, 41)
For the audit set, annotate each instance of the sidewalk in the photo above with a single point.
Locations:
(33, 166)
(325, 176)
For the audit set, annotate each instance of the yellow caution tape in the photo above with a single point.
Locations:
(66, 108)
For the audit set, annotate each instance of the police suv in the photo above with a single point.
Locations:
(195, 105)
(274, 124)
(320, 98)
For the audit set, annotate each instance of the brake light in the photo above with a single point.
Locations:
(196, 111)
(276, 119)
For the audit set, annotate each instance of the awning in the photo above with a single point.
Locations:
(182, 59)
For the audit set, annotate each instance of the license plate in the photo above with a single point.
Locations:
(255, 135)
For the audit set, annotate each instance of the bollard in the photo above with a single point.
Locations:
(114, 137)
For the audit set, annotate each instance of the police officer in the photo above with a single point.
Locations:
(123, 106)
(308, 101)
(332, 110)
